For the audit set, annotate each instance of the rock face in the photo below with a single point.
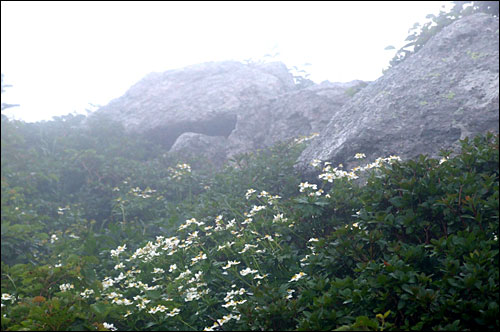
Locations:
(444, 92)
(219, 109)
(193, 145)
(206, 98)
(307, 111)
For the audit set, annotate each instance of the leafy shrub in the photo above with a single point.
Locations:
(101, 237)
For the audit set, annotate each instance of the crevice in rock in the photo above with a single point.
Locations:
(218, 125)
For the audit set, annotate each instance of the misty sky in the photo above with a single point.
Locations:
(60, 56)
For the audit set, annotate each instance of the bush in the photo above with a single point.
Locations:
(147, 243)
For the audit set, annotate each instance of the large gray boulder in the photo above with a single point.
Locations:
(206, 98)
(220, 109)
(446, 91)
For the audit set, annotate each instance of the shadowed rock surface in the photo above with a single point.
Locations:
(193, 145)
(445, 92)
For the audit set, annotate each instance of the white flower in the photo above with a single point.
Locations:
(172, 267)
(53, 238)
(109, 326)
(256, 208)
(118, 251)
(268, 237)
(231, 223)
(174, 312)
(315, 162)
(263, 193)
(279, 217)
(247, 271)
(200, 256)
(233, 303)
(249, 193)
(158, 270)
(360, 156)
(7, 297)
(159, 307)
(304, 185)
(305, 138)
(230, 263)
(247, 246)
(313, 239)
(297, 276)
(107, 282)
(184, 167)
(86, 293)
(119, 266)
(66, 287)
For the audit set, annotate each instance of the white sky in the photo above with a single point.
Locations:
(60, 56)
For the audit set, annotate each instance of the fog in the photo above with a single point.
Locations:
(61, 57)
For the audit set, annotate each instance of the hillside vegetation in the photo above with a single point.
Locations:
(102, 230)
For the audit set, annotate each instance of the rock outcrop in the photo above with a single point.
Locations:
(308, 110)
(207, 98)
(220, 109)
(446, 91)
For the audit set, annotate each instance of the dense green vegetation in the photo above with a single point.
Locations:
(101, 227)
(105, 230)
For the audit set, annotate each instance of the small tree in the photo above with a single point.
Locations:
(5, 105)
(419, 35)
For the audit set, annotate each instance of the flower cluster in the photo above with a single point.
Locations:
(53, 238)
(315, 163)
(230, 263)
(279, 218)
(311, 188)
(142, 193)
(331, 174)
(61, 210)
(190, 246)
(249, 193)
(110, 327)
(222, 321)
(118, 251)
(194, 294)
(66, 287)
(359, 156)
(200, 256)
(297, 276)
(248, 271)
(305, 138)
(306, 185)
(86, 293)
(7, 297)
(289, 293)
(179, 171)
(190, 222)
